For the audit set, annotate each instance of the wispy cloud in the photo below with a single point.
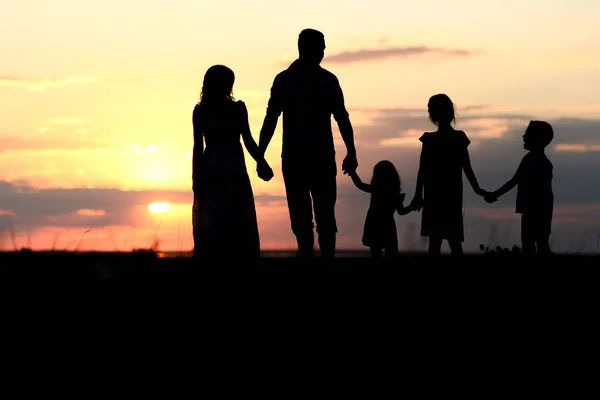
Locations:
(34, 84)
(574, 147)
(376, 54)
(43, 145)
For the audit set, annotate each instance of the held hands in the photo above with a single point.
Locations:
(416, 203)
(489, 197)
(350, 163)
(264, 171)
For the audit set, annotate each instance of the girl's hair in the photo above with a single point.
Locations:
(386, 178)
(441, 109)
(217, 85)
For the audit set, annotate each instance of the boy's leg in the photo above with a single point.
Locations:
(435, 246)
(543, 233)
(455, 247)
(527, 234)
(543, 246)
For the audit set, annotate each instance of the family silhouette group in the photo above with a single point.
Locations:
(224, 218)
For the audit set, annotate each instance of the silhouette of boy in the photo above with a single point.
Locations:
(308, 95)
(535, 199)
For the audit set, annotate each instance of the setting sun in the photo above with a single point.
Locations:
(159, 207)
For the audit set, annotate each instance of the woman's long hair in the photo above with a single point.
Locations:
(386, 178)
(218, 85)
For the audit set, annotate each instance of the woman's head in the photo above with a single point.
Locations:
(441, 110)
(386, 177)
(218, 84)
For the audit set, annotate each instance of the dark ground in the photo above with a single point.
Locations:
(145, 269)
(496, 307)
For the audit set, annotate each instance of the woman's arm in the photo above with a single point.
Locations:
(249, 141)
(198, 151)
(365, 187)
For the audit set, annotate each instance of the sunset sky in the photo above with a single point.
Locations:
(96, 100)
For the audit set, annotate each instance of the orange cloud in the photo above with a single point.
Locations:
(91, 213)
(580, 148)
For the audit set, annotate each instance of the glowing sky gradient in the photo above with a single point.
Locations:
(96, 100)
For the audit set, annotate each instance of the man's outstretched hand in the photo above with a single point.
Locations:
(264, 171)
(349, 164)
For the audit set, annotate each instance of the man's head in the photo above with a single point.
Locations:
(538, 135)
(311, 46)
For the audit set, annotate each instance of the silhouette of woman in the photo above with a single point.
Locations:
(444, 156)
(386, 198)
(224, 215)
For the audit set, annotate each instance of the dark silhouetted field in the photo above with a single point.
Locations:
(429, 293)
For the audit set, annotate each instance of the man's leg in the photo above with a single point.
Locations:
(324, 195)
(300, 208)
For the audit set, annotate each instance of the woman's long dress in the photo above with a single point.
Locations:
(223, 215)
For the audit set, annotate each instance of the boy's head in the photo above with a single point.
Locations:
(538, 135)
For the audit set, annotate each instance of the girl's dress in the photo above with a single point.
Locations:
(380, 225)
(223, 215)
(443, 154)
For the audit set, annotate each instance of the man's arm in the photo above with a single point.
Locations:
(274, 109)
(347, 133)
(365, 187)
(340, 114)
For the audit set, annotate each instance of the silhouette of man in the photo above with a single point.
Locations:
(308, 95)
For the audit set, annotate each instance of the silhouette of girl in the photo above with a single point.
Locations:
(444, 156)
(386, 198)
(223, 215)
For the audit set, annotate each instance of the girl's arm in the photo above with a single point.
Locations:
(365, 187)
(400, 207)
(417, 201)
(471, 175)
